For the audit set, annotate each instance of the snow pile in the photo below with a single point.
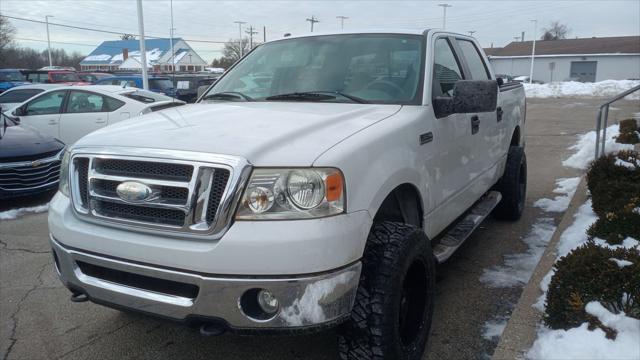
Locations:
(517, 268)
(566, 187)
(585, 148)
(582, 343)
(494, 329)
(576, 234)
(607, 88)
(16, 213)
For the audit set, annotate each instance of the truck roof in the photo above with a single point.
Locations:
(358, 31)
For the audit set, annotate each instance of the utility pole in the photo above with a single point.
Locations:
(143, 50)
(173, 54)
(240, 23)
(471, 32)
(533, 49)
(313, 20)
(342, 19)
(46, 19)
(444, 15)
(264, 34)
(251, 32)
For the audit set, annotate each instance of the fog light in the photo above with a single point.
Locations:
(268, 303)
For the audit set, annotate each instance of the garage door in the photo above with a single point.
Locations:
(584, 71)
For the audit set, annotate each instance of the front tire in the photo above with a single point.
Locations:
(513, 186)
(393, 309)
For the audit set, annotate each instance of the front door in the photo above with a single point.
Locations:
(85, 112)
(584, 71)
(43, 113)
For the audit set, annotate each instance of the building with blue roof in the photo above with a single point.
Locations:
(125, 55)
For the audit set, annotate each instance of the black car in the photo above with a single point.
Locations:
(187, 86)
(29, 160)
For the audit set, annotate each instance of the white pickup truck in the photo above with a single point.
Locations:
(317, 183)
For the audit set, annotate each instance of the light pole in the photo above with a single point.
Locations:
(173, 54)
(444, 15)
(46, 19)
(342, 19)
(143, 50)
(240, 23)
(533, 49)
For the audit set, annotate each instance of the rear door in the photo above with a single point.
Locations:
(43, 112)
(84, 113)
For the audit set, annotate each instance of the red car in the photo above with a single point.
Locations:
(54, 77)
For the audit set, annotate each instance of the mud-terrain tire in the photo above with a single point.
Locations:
(513, 186)
(393, 309)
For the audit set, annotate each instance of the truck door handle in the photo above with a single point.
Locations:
(53, 122)
(475, 124)
(499, 113)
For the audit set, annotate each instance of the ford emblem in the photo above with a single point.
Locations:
(133, 191)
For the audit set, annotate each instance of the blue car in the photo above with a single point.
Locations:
(11, 78)
(159, 84)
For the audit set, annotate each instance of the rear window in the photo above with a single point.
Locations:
(146, 97)
(64, 77)
(11, 76)
(162, 84)
(18, 96)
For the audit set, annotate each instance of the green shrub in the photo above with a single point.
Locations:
(628, 125)
(588, 274)
(612, 185)
(615, 227)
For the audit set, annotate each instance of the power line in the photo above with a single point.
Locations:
(92, 45)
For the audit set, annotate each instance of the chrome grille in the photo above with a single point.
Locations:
(192, 197)
(27, 175)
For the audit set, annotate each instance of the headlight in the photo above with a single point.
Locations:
(292, 194)
(64, 174)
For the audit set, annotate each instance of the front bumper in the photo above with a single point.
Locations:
(304, 301)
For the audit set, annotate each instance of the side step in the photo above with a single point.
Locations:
(456, 235)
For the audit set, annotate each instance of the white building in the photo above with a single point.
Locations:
(586, 60)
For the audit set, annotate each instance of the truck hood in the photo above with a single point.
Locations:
(264, 133)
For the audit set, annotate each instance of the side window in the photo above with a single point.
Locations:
(474, 60)
(84, 102)
(446, 70)
(111, 104)
(49, 103)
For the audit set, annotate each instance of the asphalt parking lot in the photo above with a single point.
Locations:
(37, 320)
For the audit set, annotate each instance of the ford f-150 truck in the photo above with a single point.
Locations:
(318, 183)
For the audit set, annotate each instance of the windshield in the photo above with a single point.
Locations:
(64, 77)
(376, 68)
(12, 76)
(162, 84)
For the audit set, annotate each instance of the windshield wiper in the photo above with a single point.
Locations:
(316, 96)
(228, 95)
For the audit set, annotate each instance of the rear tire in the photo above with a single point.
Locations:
(513, 186)
(393, 309)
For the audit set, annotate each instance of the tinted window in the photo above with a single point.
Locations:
(446, 70)
(474, 61)
(380, 68)
(48, 103)
(84, 102)
(18, 96)
(112, 104)
(11, 76)
(162, 84)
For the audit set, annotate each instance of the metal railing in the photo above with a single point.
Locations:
(601, 124)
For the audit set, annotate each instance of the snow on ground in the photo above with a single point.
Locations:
(16, 213)
(607, 88)
(566, 187)
(582, 343)
(585, 148)
(493, 329)
(517, 268)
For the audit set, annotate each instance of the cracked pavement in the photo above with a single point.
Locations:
(38, 321)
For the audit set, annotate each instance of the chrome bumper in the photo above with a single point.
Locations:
(304, 301)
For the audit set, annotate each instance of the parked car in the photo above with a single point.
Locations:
(93, 77)
(53, 77)
(17, 95)
(10, 78)
(505, 78)
(159, 84)
(70, 112)
(187, 86)
(29, 160)
(323, 196)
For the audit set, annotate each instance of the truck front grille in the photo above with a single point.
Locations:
(186, 196)
(26, 175)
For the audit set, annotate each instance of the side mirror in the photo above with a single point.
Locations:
(21, 111)
(469, 96)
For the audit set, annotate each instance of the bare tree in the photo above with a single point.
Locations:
(232, 48)
(555, 31)
(7, 31)
(127, 37)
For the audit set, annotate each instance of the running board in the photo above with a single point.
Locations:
(456, 235)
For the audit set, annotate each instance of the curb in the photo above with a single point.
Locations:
(521, 329)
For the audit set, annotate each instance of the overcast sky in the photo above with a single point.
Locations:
(496, 22)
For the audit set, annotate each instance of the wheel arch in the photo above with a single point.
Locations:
(402, 204)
